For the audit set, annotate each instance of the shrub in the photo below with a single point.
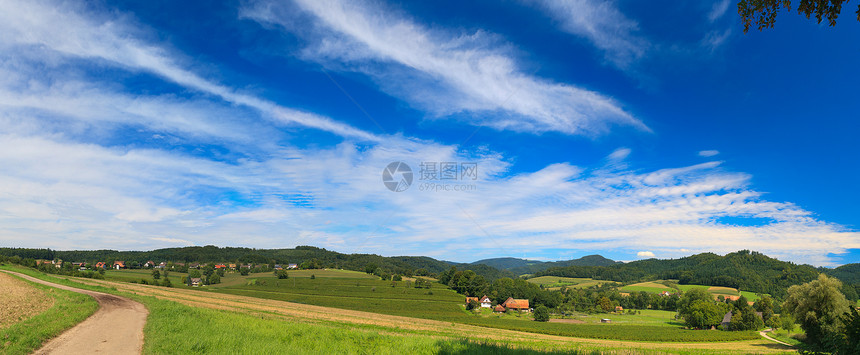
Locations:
(541, 314)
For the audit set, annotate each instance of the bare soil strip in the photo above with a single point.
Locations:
(115, 328)
(310, 313)
(20, 301)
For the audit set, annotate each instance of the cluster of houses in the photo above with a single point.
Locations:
(509, 304)
(58, 263)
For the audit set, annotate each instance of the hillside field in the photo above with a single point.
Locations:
(656, 287)
(555, 282)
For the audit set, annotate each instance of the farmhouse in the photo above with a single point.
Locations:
(195, 282)
(486, 302)
(516, 304)
(149, 264)
(499, 308)
(232, 266)
(100, 265)
(220, 266)
(619, 309)
(292, 266)
(731, 298)
(119, 265)
(470, 299)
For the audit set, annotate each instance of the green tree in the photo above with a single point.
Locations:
(690, 297)
(818, 306)
(194, 273)
(370, 268)
(214, 279)
(851, 344)
(541, 313)
(765, 306)
(605, 304)
(282, 274)
(156, 274)
(762, 13)
(472, 305)
(703, 314)
(244, 271)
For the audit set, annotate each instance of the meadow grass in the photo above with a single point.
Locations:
(569, 282)
(69, 309)
(444, 304)
(177, 328)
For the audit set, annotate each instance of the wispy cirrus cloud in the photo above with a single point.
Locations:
(61, 28)
(445, 73)
(602, 24)
(718, 10)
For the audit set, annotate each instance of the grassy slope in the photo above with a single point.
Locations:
(553, 282)
(444, 304)
(69, 308)
(654, 287)
(173, 327)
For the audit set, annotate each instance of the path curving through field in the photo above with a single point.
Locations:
(768, 330)
(115, 328)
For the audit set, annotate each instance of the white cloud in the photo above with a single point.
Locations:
(602, 24)
(718, 10)
(62, 189)
(61, 28)
(645, 254)
(444, 73)
(620, 154)
(708, 153)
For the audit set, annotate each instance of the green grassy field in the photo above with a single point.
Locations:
(128, 275)
(656, 287)
(443, 304)
(69, 308)
(643, 317)
(553, 282)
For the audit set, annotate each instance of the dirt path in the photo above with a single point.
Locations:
(764, 334)
(115, 328)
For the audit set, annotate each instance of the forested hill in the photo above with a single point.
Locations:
(746, 270)
(589, 260)
(311, 257)
(524, 266)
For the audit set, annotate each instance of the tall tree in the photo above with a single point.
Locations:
(818, 305)
(762, 13)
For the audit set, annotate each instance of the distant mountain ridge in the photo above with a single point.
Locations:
(525, 266)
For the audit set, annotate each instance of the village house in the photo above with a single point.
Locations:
(486, 302)
(278, 267)
(232, 266)
(619, 309)
(516, 304)
(499, 308)
(161, 265)
(195, 282)
(149, 264)
(193, 265)
(470, 299)
(100, 265)
(119, 265)
(220, 266)
(292, 266)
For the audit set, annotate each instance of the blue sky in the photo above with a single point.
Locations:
(620, 128)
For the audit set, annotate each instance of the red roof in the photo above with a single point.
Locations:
(516, 303)
(219, 266)
(499, 308)
(485, 299)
